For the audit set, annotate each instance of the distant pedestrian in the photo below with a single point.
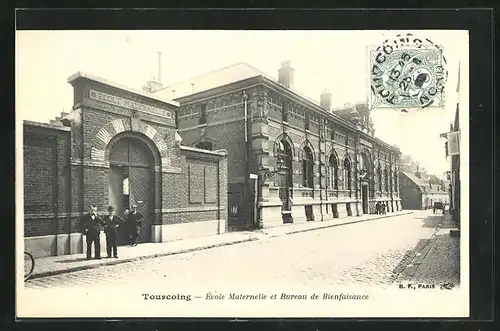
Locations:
(377, 208)
(382, 207)
(134, 222)
(91, 226)
(111, 224)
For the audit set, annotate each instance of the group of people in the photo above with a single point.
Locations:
(380, 208)
(92, 225)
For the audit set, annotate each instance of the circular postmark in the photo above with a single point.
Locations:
(407, 72)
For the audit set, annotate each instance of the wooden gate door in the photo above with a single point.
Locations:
(141, 189)
(132, 178)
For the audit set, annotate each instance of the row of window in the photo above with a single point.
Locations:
(285, 154)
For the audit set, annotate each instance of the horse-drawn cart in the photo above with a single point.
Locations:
(438, 206)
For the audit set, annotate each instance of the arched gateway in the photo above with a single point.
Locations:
(132, 180)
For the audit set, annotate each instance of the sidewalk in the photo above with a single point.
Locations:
(55, 265)
(309, 226)
(438, 261)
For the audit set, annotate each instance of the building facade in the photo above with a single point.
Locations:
(117, 147)
(290, 160)
(417, 194)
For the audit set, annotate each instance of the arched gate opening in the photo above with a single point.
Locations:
(132, 182)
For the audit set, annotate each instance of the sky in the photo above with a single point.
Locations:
(335, 60)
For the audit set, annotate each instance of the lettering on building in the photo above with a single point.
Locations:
(125, 103)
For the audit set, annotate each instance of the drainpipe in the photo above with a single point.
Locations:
(247, 158)
(70, 193)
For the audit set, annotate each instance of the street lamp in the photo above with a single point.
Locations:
(265, 174)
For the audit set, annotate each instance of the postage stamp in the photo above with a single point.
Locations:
(407, 72)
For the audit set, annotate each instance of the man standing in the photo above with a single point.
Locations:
(111, 224)
(377, 208)
(91, 226)
(134, 221)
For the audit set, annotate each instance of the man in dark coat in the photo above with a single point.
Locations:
(134, 221)
(91, 226)
(111, 224)
(377, 208)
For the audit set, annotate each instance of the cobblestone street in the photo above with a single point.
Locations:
(373, 252)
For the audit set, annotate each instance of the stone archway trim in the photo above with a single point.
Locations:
(111, 129)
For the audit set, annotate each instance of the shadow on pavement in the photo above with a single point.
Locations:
(432, 221)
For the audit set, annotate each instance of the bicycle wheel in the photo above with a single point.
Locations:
(29, 265)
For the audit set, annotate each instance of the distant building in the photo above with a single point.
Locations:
(312, 162)
(417, 194)
(452, 148)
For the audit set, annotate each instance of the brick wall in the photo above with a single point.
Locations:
(46, 179)
(192, 195)
(225, 128)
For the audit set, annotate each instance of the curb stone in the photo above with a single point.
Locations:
(334, 225)
(132, 259)
(253, 237)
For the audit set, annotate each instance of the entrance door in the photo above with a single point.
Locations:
(131, 181)
(236, 207)
(364, 198)
(140, 195)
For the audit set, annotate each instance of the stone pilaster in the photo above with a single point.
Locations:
(342, 209)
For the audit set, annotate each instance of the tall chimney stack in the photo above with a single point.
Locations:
(159, 67)
(325, 99)
(285, 74)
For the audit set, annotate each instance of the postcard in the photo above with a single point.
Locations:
(241, 174)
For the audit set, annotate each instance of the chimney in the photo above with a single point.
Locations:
(325, 100)
(159, 67)
(285, 74)
(417, 173)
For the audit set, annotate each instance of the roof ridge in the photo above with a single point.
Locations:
(208, 73)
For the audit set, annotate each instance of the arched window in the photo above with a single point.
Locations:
(379, 176)
(307, 168)
(364, 164)
(333, 172)
(203, 114)
(386, 180)
(347, 173)
(204, 145)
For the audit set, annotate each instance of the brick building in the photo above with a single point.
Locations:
(417, 194)
(312, 162)
(117, 147)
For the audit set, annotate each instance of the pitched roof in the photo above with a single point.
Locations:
(422, 185)
(210, 80)
(232, 74)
